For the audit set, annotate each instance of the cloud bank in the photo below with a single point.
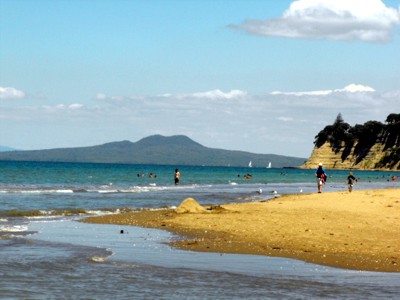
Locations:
(11, 93)
(278, 122)
(351, 88)
(366, 20)
(213, 95)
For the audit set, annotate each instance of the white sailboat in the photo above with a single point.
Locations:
(269, 165)
(250, 164)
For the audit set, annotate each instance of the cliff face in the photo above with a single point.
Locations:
(333, 160)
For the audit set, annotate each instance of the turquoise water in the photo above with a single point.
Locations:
(26, 186)
(46, 254)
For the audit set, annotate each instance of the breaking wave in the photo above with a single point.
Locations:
(100, 190)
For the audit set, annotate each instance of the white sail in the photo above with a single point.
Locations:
(269, 165)
(250, 164)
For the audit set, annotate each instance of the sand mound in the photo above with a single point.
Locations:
(189, 205)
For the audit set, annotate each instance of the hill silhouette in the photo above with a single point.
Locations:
(4, 148)
(156, 149)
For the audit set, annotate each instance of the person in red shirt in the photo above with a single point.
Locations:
(321, 177)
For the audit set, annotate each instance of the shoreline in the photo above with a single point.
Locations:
(358, 230)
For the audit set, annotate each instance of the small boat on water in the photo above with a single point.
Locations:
(269, 165)
(250, 164)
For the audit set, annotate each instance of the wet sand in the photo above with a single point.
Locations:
(358, 230)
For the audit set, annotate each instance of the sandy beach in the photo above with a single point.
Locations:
(358, 230)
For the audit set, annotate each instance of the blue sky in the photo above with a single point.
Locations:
(256, 75)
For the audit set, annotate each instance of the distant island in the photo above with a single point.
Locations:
(373, 145)
(178, 150)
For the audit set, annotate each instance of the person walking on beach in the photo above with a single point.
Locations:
(350, 181)
(321, 177)
(177, 176)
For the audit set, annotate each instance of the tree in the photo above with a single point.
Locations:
(335, 134)
(339, 120)
(393, 118)
(391, 136)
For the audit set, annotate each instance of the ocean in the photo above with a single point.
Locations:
(47, 254)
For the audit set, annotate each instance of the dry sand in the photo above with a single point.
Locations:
(358, 230)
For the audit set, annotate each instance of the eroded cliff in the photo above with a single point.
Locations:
(373, 145)
(332, 160)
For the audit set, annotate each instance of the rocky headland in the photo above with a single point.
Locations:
(370, 146)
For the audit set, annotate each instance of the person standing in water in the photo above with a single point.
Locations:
(177, 176)
(350, 181)
(321, 177)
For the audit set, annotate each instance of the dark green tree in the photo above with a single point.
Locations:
(391, 136)
(335, 134)
(393, 118)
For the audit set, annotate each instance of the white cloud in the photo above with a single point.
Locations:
(308, 93)
(366, 20)
(101, 96)
(213, 94)
(11, 93)
(75, 106)
(116, 98)
(218, 94)
(356, 88)
(61, 107)
(351, 88)
(284, 119)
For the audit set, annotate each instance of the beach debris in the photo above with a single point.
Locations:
(215, 208)
(98, 259)
(189, 205)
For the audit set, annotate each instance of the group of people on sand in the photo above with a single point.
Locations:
(320, 173)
